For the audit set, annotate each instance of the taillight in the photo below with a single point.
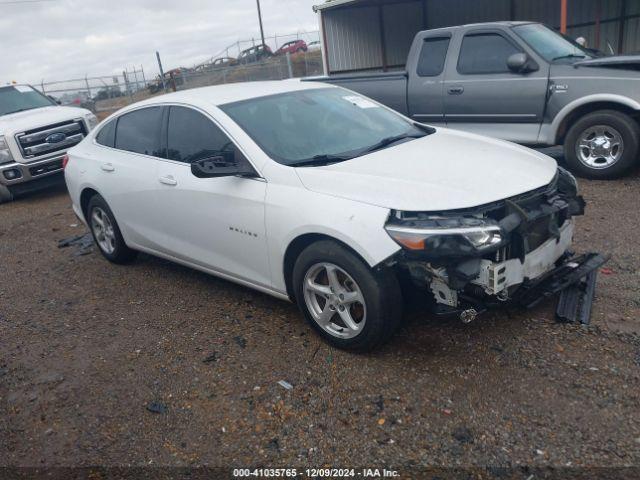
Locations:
(65, 160)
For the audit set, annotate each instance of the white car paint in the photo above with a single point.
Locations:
(445, 171)
(193, 222)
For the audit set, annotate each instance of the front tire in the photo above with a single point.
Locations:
(106, 233)
(350, 305)
(602, 145)
(5, 194)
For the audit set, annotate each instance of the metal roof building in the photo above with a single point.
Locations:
(360, 35)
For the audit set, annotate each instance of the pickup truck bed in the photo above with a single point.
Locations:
(392, 86)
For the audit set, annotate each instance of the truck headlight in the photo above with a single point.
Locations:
(5, 153)
(92, 121)
(447, 236)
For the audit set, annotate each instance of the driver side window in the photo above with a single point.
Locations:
(191, 136)
(485, 53)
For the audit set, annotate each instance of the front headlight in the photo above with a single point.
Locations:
(92, 121)
(5, 153)
(447, 236)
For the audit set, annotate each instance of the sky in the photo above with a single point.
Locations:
(65, 39)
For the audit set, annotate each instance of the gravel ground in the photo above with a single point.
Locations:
(156, 364)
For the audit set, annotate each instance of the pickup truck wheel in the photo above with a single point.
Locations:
(602, 145)
(350, 305)
(5, 194)
(106, 232)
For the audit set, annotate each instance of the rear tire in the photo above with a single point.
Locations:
(359, 310)
(106, 233)
(602, 145)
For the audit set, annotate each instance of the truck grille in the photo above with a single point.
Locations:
(50, 139)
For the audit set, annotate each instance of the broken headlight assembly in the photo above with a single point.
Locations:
(439, 236)
(567, 183)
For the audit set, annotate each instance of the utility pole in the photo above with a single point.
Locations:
(164, 87)
(260, 20)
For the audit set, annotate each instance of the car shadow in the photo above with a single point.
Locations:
(423, 335)
(54, 190)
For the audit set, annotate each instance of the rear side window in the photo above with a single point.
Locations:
(485, 53)
(192, 136)
(433, 56)
(139, 131)
(107, 135)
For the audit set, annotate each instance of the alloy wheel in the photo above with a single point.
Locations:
(334, 300)
(103, 230)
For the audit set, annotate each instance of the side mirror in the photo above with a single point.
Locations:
(521, 63)
(228, 164)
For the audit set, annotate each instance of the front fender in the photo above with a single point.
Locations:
(358, 225)
(553, 132)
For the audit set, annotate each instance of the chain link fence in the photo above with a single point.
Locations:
(105, 94)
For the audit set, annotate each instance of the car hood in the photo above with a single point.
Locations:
(631, 62)
(38, 117)
(443, 171)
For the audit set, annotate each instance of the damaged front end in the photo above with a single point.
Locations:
(515, 250)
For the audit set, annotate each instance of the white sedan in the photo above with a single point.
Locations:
(315, 194)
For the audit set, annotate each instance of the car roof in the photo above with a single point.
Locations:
(231, 92)
(506, 23)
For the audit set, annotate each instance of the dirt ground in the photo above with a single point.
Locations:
(156, 364)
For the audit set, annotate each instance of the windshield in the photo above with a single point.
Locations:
(21, 97)
(322, 125)
(551, 45)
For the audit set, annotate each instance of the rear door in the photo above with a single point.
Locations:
(217, 223)
(128, 172)
(484, 96)
(426, 78)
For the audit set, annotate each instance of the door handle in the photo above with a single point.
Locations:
(455, 90)
(107, 167)
(168, 180)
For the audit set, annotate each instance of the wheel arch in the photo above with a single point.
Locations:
(85, 196)
(581, 107)
(298, 244)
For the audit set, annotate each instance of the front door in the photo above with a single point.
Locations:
(217, 223)
(482, 95)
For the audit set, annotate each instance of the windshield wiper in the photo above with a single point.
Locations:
(324, 159)
(321, 160)
(385, 142)
(570, 55)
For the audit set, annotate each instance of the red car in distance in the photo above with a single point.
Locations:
(294, 46)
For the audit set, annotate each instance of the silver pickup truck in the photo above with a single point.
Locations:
(518, 81)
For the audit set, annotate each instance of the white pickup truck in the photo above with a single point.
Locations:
(35, 134)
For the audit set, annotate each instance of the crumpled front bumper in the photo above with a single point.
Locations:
(532, 262)
(573, 277)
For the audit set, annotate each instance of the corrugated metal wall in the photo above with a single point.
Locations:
(401, 22)
(354, 38)
(544, 11)
(447, 13)
(354, 33)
